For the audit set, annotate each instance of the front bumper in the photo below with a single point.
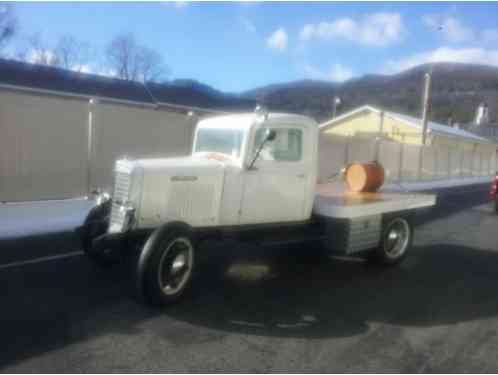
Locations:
(96, 237)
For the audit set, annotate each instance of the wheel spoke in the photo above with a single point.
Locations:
(396, 238)
(175, 266)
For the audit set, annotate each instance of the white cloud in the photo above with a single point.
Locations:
(43, 56)
(83, 68)
(490, 35)
(175, 4)
(452, 29)
(336, 73)
(339, 73)
(445, 54)
(377, 29)
(108, 72)
(278, 40)
(248, 25)
(180, 4)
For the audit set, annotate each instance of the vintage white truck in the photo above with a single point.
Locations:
(250, 176)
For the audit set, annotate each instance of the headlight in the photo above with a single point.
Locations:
(102, 198)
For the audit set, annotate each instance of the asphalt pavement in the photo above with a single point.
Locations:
(266, 310)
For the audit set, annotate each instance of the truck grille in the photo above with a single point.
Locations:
(122, 181)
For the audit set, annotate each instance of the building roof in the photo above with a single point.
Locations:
(433, 127)
(49, 79)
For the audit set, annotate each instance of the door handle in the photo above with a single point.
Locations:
(301, 175)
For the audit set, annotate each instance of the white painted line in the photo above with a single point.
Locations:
(41, 259)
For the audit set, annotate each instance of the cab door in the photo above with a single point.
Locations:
(274, 189)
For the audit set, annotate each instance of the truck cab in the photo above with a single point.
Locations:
(234, 176)
(264, 180)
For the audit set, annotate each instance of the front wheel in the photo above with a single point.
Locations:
(396, 240)
(166, 265)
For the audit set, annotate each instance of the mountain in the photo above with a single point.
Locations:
(457, 90)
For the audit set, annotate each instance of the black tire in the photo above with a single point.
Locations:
(166, 263)
(95, 225)
(396, 241)
(496, 205)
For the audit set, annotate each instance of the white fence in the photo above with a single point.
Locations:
(405, 162)
(56, 147)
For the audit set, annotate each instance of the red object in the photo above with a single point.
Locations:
(494, 187)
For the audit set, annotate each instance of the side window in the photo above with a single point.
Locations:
(287, 146)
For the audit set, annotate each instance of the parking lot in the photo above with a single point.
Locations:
(268, 309)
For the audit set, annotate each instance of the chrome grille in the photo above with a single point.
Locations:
(122, 182)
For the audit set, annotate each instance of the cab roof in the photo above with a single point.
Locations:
(247, 120)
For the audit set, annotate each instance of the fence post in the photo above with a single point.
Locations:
(379, 137)
(400, 162)
(90, 144)
(449, 162)
(346, 150)
(193, 118)
(420, 161)
(436, 162)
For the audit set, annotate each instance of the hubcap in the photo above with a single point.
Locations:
(397, 237)
(175, 266)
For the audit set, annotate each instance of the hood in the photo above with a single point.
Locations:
(177, 165)
(187, 189)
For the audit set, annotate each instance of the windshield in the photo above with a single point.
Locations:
(225, 141)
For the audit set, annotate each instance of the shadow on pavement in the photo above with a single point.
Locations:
(51, 305)
(18, 249)
(285, 297)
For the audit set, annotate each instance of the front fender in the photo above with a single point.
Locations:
(96, 223)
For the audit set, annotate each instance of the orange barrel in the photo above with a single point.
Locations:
(366, 177)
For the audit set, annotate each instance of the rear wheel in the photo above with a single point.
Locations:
(396, 240)
(166, 265)
(496, 205)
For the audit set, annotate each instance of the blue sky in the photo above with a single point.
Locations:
(238, 46)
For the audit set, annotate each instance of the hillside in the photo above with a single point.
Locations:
(457, 89)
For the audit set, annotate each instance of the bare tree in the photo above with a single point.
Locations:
(132, 61)
(71, 53)
(38, 52)
(8, 23)
(68, 52)
(151, 65)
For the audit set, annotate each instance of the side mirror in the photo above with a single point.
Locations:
(270, 136)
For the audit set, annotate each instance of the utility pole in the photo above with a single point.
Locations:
(335, 102)
(426, 106)
(425, 120)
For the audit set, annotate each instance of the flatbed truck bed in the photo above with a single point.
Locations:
(335, 201)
